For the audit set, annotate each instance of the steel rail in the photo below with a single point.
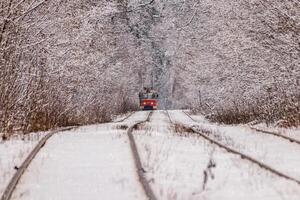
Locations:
(292, 140)
(242, 155)
(122, 120)
(137, 160)
(168, 114)
(7, 194)
(189, 116)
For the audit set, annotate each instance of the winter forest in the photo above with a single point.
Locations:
(79, 62)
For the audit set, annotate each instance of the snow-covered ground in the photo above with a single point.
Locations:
(293, 132)
(134, 118)
(14, 151)
(88, 163)
(12, 154)
(178, 167)
(122, 117)
(95, 162)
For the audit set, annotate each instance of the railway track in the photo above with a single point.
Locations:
(7, 194)
(20, 171)
(122, 120)
(292, 140)
(137, 160)
(189, 116)
(204, 135)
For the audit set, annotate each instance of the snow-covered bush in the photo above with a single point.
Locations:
(63, 63)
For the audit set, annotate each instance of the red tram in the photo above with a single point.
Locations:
(148, 99)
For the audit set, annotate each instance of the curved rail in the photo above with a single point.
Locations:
(7, 194)
(122, 120)
(293, 140)
(168, 114)
(17, 176)
(137, 160)
(242, 155)
(189, 116)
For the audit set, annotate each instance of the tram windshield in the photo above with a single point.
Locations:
(148, 93)
(148, 96)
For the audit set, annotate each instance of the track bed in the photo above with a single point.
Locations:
(158, 156)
